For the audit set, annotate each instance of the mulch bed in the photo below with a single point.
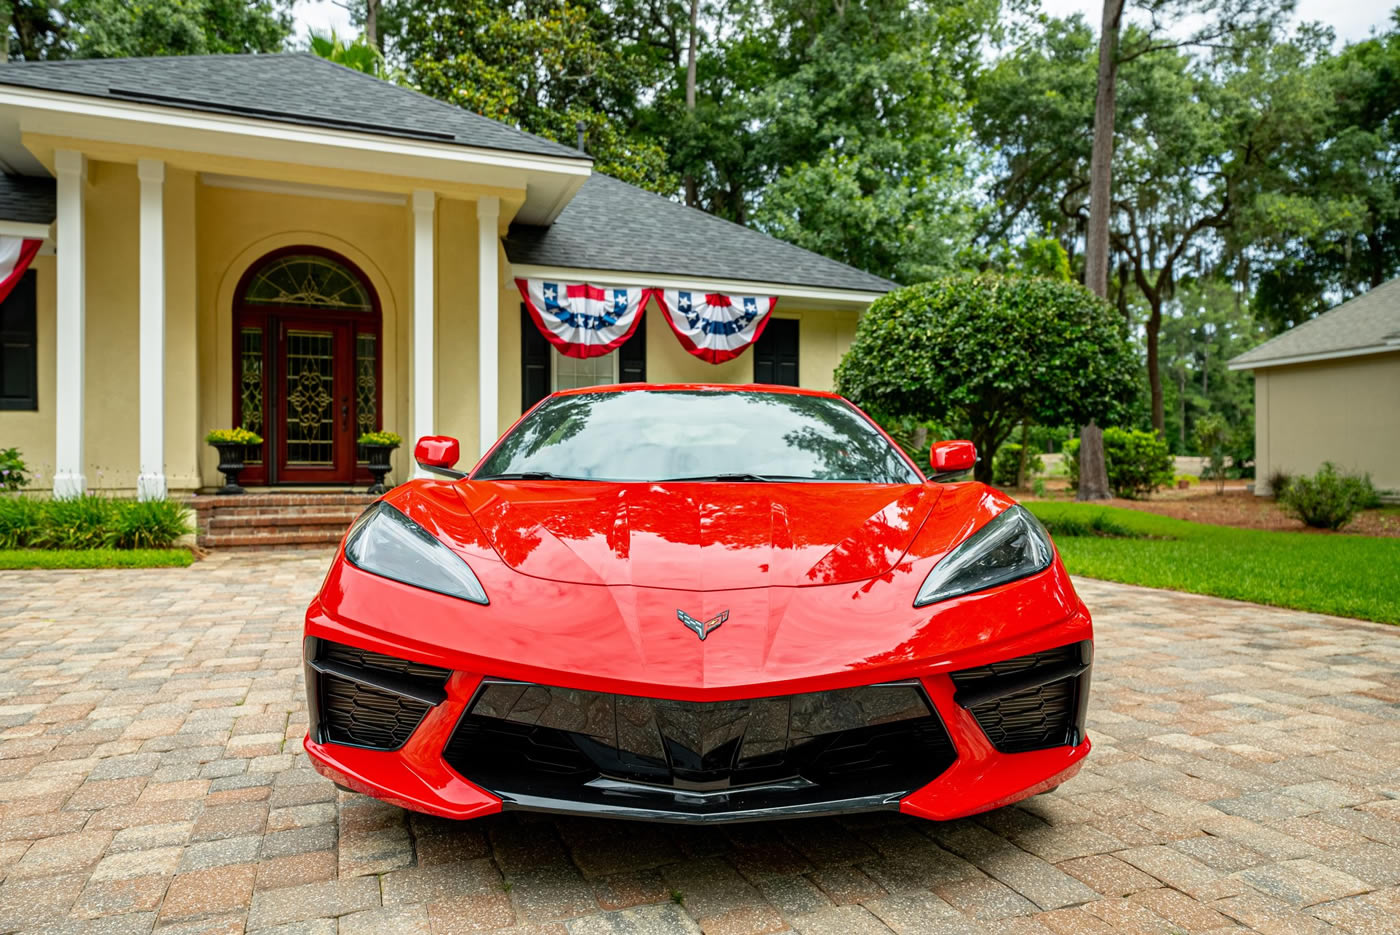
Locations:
(1238, 507)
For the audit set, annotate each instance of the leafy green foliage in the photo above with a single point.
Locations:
(86, 522)
(14, 473)
(238, 436)
(380, 439)
(1006, 466)
(149, 524)
(989, 353)
(90, 522)
(123, 28)
(1138, 463)
(1327, 499)
(1353, 576)
(1212, 440)
(357, 54)
(20, 521)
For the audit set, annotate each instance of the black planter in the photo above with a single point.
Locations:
(231, 465)
(379, 466)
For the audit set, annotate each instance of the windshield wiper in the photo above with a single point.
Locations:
(524, 475)
(741, 477)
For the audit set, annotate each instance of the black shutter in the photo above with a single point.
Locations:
(19, 357)
(775, 353)
(534, 362)
(632, 356)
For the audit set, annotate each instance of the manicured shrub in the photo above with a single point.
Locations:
(1328, 499)
(1279, 480)
(1138, 463)
(1099, 524)
(20, 521)
(1007, 464)
(14, 473)
(152, 524)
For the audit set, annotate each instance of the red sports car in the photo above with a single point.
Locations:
(697, 603)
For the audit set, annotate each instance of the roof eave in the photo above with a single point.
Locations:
(1240, 364)
(818, 295)
(163, 126)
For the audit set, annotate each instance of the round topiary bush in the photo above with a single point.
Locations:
(990, 352)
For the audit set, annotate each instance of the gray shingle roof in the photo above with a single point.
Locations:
(610, 225)
(1369, 321)
(292, 88)
(27, 200)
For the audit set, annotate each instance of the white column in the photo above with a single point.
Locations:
(69, 479)
(150, 483)
(488, 300)
(424, 370)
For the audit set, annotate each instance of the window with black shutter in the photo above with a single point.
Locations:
(19, 357)
(775, 353)
(543, 369)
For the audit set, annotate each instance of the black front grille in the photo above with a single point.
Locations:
(530, 742)
(368, 699)
(1031, 702)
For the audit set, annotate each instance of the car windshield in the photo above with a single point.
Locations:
(702, 435)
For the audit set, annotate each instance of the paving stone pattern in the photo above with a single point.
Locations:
(1245, 777)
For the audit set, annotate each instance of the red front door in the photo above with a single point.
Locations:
(314, 400)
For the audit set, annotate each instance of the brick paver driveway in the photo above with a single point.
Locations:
(1246, 776)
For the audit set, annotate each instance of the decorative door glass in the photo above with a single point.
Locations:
(308, 280)
(572, 372)
(310, 397)
(366, 388)
(251, 391)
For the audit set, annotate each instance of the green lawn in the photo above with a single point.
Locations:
(94, 558)
(1351, 576)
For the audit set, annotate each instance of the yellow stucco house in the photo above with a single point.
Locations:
(1329, 390)
(281, 243)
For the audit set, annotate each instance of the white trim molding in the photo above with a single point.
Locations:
(488, 305)
(69, 479)
(424, 367)
(810, 294)
(27, 231)
(274, 187)
(1312, 358)
(150, 483)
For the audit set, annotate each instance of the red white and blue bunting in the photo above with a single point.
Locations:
(583, 320)
(15, 256)
(713, 326)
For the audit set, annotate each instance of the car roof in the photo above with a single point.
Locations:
(707, 387)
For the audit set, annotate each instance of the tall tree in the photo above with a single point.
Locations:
(123, 28)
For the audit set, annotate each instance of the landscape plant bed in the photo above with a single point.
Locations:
(1345, 575)
(95, 558)
(1240, 508)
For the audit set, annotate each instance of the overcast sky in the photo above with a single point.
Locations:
(1351, 19)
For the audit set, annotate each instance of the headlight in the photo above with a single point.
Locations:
(1011, 546)
(385, 542)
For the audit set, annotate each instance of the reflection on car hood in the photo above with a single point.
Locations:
(699, 536)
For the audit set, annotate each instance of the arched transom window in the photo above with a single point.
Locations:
(308, 280)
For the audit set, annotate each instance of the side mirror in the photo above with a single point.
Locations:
(951, 458)
(438, 453)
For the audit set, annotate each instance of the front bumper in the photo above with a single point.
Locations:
(461, 745)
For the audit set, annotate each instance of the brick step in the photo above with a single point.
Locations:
(284, 536)
(281, 501)
(257, 520)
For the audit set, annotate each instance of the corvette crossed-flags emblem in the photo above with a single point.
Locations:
(702, 630)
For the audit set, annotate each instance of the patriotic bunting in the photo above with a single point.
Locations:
(582, 320)
(15, 257)
(712, 326)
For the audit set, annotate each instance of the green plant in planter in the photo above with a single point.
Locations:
(380, 440)
(233, 437)
(379, 445)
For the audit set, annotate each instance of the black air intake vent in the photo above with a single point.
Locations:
(367, 699)
(1031, 702)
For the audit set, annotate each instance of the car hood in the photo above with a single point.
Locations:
(699, 536)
